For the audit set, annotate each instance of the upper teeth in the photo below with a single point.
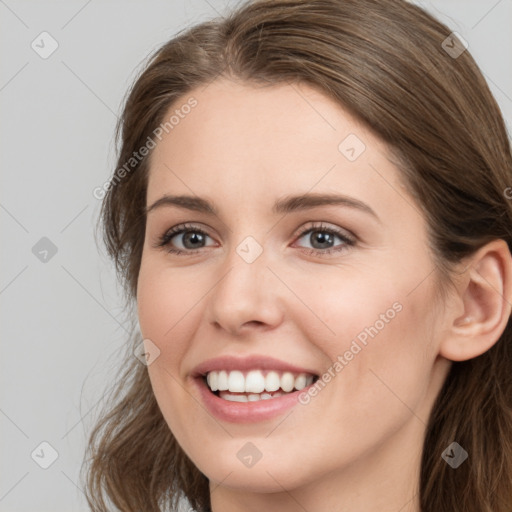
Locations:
(256, 381)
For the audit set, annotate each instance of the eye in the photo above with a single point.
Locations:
(190, 237)
(322, 239)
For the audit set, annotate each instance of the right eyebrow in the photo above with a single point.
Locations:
(193, 203)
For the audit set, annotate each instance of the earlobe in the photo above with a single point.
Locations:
(486, 295)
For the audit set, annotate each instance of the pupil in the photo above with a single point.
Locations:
(322, 238)
(193, 237)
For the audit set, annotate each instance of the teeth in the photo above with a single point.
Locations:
(256, 384)
(235, 398)
(222, 382)
(300, 382)
(213, 381)
(236, 382)
(226, 395)
(287, 382)
(272, 381)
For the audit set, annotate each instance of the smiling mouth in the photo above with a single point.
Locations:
(255, 385)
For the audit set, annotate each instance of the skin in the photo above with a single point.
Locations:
(355, 446)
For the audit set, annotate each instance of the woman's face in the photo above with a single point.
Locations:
(263, 296)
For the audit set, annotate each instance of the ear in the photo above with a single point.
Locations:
(485, 296)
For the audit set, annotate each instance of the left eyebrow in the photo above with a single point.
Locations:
(307, 201)
(287, 204)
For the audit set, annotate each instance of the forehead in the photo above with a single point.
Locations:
(250, 142)
(258, 120)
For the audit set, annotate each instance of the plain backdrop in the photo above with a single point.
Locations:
(61, 310)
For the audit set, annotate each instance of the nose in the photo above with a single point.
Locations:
(246, 297)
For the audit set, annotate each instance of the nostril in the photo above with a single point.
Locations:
(255, 323)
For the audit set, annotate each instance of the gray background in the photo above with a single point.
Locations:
(62, 321)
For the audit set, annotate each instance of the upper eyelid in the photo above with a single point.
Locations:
(323, 225)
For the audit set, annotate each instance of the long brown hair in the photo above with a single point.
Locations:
(388, 63)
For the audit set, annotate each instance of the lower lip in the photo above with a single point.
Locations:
(246, 412)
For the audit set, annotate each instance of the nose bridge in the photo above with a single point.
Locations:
(246, 291)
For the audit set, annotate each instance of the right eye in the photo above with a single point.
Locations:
(189, 236)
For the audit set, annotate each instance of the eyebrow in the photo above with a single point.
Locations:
(286, 204)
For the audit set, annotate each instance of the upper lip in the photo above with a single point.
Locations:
(253, 362)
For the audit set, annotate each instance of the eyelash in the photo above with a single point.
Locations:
(165, 240)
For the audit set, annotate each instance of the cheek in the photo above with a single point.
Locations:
(343, 305)
(376, 333)
(167, 316)
(166, 306)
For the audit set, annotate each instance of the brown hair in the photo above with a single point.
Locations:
(384, 61)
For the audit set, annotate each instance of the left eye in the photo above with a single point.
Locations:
(322, 239)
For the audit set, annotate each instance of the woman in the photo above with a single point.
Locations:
(310, 215)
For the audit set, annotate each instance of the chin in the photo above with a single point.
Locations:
(267, 475)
